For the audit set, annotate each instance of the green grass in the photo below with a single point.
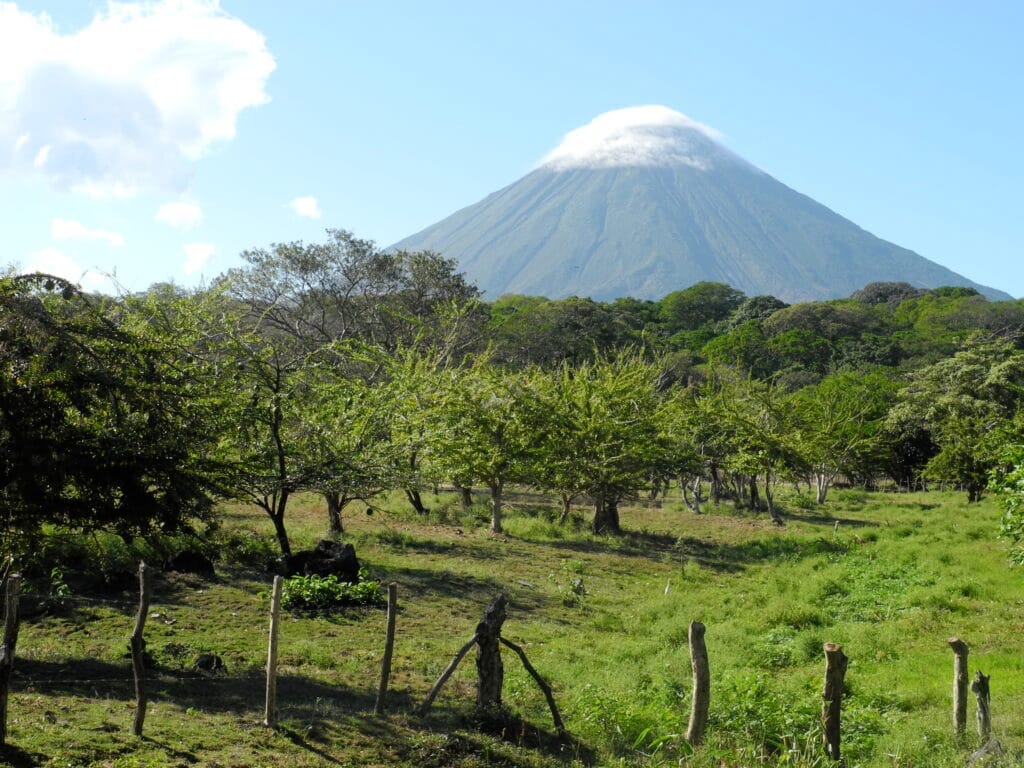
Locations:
(603, 619)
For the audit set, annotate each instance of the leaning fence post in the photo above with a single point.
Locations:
(701, 684)
(832, 696)
(11, 622)
(959, 685)
(389, 645)
(270, 713)
(138, 648)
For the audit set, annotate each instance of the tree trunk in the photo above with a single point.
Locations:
(606, 515)
(334, 507)
(716, 490)
(416, 501)
(696, 494)
(465, 497)
(566, 507)
(496, 491)
(755, 499)
(770, 499)
(822, 483)
(276, 510)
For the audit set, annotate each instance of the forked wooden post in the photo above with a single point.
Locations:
(270, 712)
(959, 686)
(389, 645)
(832, 698)
(701, 684)
(138, 648)
(11, 624)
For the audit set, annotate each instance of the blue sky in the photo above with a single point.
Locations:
(157, 141)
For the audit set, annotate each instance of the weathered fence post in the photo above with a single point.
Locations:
(832, 697)
(270, 712)
(11, 624)
(980, 689)
(959, 685)
(138, 648)
(701, 684)
(490, 672)
(389, 645)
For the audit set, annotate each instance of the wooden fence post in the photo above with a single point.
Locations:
(270, 713)
(490, 672)
(959, 686)
(701, 684)
(389, 645)
(832, 697)
(138, 648)
(980, 689)
(11, 624)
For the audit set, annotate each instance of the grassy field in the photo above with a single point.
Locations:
(603, 619)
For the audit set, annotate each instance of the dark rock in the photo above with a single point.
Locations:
(328, 558)
(189, 561)
(210, 662)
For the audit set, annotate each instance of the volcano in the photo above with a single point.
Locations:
(644, 201)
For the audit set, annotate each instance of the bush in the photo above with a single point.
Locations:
(321, 594)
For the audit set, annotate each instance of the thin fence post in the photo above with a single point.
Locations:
(701, 684)
(980, 688)
(960, 652)
(11, 624)
(832, 698)
(389, 645)
(138, 648)
(270, 713)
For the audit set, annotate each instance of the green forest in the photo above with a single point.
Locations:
(317, 382)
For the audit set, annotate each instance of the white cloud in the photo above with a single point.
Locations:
(649, 135)
(124, 103)
(53, 261)
(196, 257)
(307, 207)
(181, 215)
(64, 229)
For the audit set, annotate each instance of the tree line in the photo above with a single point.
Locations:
(345, 370)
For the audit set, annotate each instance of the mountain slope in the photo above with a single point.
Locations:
(654, 204)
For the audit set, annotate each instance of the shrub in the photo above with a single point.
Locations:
(320, 594)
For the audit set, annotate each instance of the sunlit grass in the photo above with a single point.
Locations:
(604, 619)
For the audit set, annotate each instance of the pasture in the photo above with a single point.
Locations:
(603, 619)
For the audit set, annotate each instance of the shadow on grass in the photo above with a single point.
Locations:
(716, 556)
(319, 718)
(20, 758)
(423, 583)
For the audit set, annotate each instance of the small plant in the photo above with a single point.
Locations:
(321, 594)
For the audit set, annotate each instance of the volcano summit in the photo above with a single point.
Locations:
(644, 201)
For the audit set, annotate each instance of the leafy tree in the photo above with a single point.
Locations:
(757, 308)
(485, 428)
(967, 403)
(699, 306)
(1008, 482)
(744, 348)
(890, 293)
(756, 420)
(601, 433)
(107, 419)
(346, 288)
(839, 422)
(530, 330)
